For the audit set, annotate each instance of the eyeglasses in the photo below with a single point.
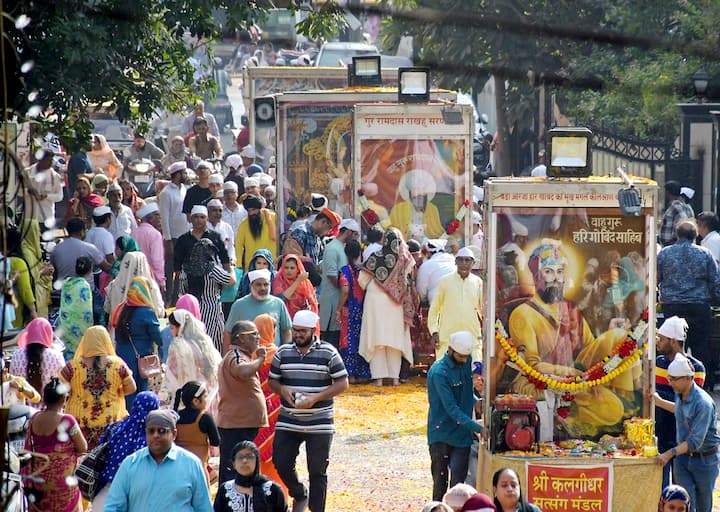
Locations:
(675, 379)
(254, 333)
(161, 430)
(245, 457)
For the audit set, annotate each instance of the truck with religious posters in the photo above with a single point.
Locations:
(568, 347)
(316, 153)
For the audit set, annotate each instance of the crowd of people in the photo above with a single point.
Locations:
(260, 330)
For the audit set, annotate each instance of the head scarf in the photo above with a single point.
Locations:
(95, 342)
(266, 327)
(127, 245)
(256, 478)
(305, 296)
(245, 284)
(189, 303)
(139, 294)
(134, 264)
(202, 258)
(673, 492)
(391, 266)
(91, 200)
(132, 199)
(128, 436)
(180, 153)
(193, 355)
(39, 331)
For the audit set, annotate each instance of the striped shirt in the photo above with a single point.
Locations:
(312, 372)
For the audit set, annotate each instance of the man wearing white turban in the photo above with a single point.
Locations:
(416, 216)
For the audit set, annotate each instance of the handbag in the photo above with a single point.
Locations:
(89, 470)
(148, 366)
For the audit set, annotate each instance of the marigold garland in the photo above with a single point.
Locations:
(623, 355)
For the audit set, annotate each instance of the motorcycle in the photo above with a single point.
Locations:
(141, 173)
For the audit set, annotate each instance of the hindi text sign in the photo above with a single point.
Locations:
(570, 488)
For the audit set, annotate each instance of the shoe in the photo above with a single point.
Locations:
(300, 504)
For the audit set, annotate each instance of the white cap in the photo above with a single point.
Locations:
(177, 167)
(230, 186)
(305, 318)
(436, 244)
(101, 210)
(198, 209)
(462, 342)
(263, 179)
(147, 209)
(251, 182)
(261, 273)
(681, 367)
(214, 203)
(518, 229)
(465, 253)
(476, 218)
(674, 328)
(216, 178)
(203, 164)
(248, 151)
(234, 161)
(114, 187)
(687, 192)
(350, 224)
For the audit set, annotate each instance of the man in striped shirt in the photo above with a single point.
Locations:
(306, 374)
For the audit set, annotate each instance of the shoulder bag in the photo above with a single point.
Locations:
(90, 468)
(148, 366)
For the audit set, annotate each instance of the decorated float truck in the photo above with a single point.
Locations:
(568, 347)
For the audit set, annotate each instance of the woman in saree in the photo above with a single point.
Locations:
(191, 356)
(83, 202)
(123, 439)
(76, 306)
(103, 158)
(291, 284)
(262, 258)
(137, 330)
(264, 440)
(55, 433)
(99, 381)
(349, 314)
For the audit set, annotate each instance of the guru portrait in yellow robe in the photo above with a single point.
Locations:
(552, 336)
(416, 216)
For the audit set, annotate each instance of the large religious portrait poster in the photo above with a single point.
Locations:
(315, 149)
(414, 169)
(572, 283)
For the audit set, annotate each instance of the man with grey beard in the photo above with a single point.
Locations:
(553, 338)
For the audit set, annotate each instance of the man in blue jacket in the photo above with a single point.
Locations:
(450, 427)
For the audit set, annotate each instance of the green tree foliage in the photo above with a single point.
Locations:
(131, 56)
(621, 65)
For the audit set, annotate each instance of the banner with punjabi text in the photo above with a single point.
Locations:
(570, 488)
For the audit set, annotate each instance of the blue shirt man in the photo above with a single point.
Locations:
(689, 281)
(450, 426)
(696, 455)
(161, 476)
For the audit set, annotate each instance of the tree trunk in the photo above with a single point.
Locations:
(501, 160)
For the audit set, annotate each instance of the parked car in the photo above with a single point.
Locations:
(341, 54)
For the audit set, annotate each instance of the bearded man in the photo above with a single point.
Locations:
(554, 338)
(257, 231)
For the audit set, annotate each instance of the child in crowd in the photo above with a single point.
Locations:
(196, 429)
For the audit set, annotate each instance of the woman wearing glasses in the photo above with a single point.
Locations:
(250, 490)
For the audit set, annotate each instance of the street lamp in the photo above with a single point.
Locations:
(700, 82)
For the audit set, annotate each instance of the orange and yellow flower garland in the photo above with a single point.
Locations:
(624, 355)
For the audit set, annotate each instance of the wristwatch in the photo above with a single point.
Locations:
(674, 451)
